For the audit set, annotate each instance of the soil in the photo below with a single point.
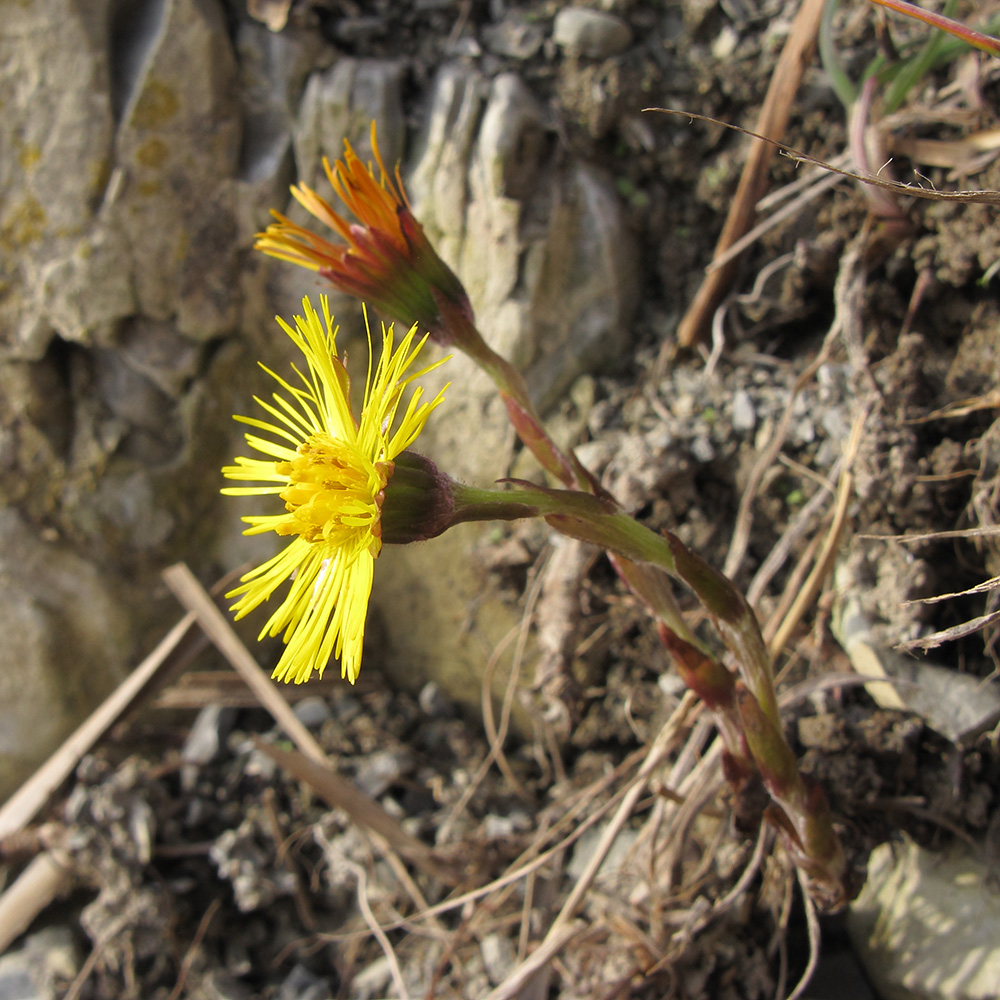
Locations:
(230, 878)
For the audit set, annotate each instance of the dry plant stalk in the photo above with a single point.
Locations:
(772, 122)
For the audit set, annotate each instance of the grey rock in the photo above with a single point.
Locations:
(744, 415)
(207, 737)
(958, 706)
(178, 145)
(376, 772)
(587, 845)
(41, 967)
(591, 33)
(66, 644)
(927, 926)
(54, 76)
(312, 712)
(702, 448)
(301, 984)
(499, 956)
(514, 37)
(121, 222)
(341, 102)
(433, 701)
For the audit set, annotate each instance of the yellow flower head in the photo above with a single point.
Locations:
(331, 470)
(386, 258)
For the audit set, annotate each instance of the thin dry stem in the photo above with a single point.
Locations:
(47, 876)
(772, 122)
(190, 955)
(824, 562)
(220, 631)
(361, 877)
(744, 517)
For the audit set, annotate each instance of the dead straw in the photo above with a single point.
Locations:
(772, 122)
(193, 596)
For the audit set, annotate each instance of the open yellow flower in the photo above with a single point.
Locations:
(385, 259)
(331, 470)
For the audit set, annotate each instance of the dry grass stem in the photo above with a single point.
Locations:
(222, 635)
(336, 858)
(812, 923)
(772, 122)
(198, 688)
(554, 942)
(564, 927)
(744, 517)
(46, 877)
(192, 951)
(824, 561)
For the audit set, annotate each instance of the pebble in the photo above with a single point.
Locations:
(514, 38)
(301, 984)
(744, 415)
(433, 702)
(499, 956)
(312, 712)
(45, 960)
(501, 827)
(590, 33)
(701, 449)
(378, 771)
(204, 741)
(927, 925)
(208, 734)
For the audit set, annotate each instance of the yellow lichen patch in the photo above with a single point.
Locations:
(24, 225)
(152, 153)
(157, 105)
(28, 154)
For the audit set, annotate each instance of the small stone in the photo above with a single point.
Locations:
(499, 956)
(301, 984)
(378, 771)
(744, 415)
(312, 712)
(40, 968)
(614, 859)
(671, 685)
(701, 449)
(590, 33)
(926, 925)
(433, 702)
(514, 38)
(207, 734)
(725, 43)
(502, 827)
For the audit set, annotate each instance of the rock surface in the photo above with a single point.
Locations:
(134, 311)
(926, 925)
(40, 967)
(66, 644)
(591, 33)
(549, 266)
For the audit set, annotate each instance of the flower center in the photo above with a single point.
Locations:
(334, 494)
